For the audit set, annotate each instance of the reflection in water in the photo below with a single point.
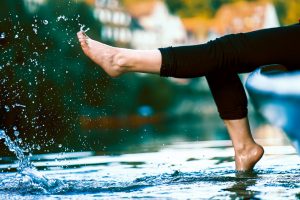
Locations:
(241, 187)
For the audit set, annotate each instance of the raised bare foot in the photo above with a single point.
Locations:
(103, 55)
(246, 159)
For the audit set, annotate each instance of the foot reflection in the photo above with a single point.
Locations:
(243, 181)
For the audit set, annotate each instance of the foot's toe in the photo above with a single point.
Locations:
(80, 35)
(83, 39)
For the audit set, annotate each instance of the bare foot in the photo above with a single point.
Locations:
(103, 55)
(246, 159)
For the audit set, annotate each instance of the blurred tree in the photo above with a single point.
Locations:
(288, 11)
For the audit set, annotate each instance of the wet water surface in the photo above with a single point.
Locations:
(184, 170)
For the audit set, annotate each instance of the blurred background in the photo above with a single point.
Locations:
(54, 99)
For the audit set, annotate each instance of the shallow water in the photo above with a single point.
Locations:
(183, 170)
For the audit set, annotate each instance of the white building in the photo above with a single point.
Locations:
(115, 21)
(33, 5)
(271, 18)
(158, 28)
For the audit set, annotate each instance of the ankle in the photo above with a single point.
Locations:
(122, 59)
(244, 148)
(249, 149)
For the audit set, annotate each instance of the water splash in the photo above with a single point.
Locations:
(82, 28)
(24, 161)
(61, 17)
(28, 176)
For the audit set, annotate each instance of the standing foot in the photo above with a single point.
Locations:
(246, 158)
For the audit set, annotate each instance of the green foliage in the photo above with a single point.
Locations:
(288, 11)
(192, 8)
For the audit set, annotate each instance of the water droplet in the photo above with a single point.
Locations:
(61, 17)
(6, 108)
(59, 145)
(34, 30)
(82, 28)
(19, 105)
(16, 36)
(45, 22)
(2, 134)
(2, 35)
(16, 133)
(14, 128)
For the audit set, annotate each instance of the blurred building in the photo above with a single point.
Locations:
(236, 17)
(243, 17)
(115, 21)
(153, 26)
(33, 5)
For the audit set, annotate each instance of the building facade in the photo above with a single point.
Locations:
(115, 21)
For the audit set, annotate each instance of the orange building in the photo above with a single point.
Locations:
(234, 18)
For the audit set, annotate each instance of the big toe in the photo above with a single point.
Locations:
(83, 42)
(81, 35)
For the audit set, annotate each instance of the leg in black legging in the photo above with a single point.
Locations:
(224, 84)
(222, 59)
(237, 53)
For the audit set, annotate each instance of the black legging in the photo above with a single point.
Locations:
(222, 59)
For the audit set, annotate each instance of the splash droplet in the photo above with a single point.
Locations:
(6, 108)
(45, 22)
(16, 133)
(2, 35)
(61, 17)
(2, 134)
(82, 28)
